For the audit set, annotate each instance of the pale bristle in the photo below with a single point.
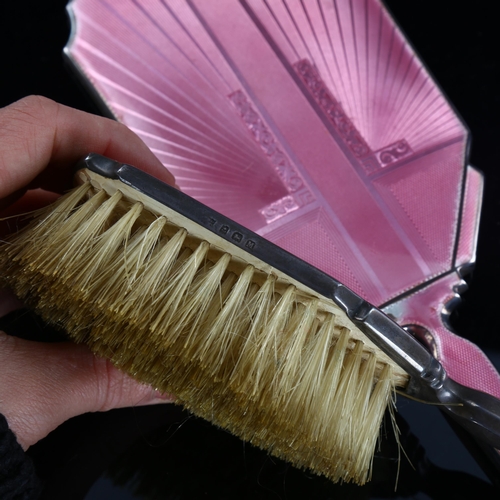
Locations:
(257, 356)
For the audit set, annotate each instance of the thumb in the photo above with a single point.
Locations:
(42, 385)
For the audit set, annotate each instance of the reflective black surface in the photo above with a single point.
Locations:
(161, 452)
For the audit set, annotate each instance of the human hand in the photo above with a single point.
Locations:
(42, 385)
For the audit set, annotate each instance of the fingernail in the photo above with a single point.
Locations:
(158, 397)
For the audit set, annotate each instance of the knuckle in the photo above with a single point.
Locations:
(109, 384)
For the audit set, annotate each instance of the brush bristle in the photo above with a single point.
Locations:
(238, 346)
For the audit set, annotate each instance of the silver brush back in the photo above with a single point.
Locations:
(477, 412)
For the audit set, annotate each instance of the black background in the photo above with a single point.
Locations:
(170, 455)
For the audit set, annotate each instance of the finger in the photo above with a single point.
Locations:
(40, 139)
(15, 209)
(45, 384)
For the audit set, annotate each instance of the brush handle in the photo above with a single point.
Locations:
(475, 411)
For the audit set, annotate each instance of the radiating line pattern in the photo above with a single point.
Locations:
(174, 71)
(363, 58)
(177, 105)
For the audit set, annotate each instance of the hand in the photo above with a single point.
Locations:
(42, 385)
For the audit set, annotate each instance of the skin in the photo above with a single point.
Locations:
(42, 385)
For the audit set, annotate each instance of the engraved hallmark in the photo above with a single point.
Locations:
(231, 234)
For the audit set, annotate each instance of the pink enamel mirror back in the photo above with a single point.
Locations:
(313, 124)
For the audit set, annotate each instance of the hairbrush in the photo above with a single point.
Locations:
(244, 334)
